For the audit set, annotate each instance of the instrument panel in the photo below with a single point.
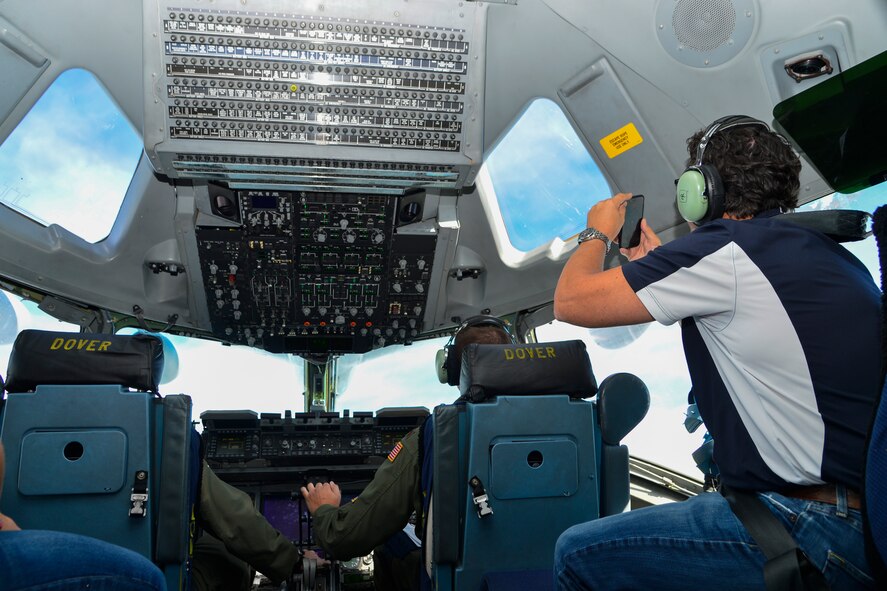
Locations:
(250, 442)
(307, 272)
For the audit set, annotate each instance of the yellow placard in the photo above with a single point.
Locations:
(622, 140)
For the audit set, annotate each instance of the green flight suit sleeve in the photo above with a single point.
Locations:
(382, 509)
(230, 515)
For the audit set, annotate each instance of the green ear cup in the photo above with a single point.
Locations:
(691, 199)
(440, 364)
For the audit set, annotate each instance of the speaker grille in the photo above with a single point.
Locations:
(705, 33)
(704, 25)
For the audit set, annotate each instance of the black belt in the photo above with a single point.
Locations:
(824, 493)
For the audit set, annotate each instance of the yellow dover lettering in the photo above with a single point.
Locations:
(79, 344)
(529, 353)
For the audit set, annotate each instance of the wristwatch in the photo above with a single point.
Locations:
(594, 233)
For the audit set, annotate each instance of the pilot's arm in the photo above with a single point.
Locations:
(586, 295)
(381, 510)
(230, 515)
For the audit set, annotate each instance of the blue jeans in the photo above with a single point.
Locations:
(36, 560)
(699, 544)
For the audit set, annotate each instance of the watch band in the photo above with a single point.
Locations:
(594, 234)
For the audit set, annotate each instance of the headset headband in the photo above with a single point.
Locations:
(444, 362)
(722, 124)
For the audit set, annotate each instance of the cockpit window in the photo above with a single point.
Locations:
(541, 166)
(70, 160)
(220, 377)
(393, 376)
(654, 353)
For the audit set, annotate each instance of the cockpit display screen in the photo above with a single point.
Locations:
(231, 444)
(260, 201)
(289, 515)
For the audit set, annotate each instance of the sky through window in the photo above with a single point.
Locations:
(71, 159)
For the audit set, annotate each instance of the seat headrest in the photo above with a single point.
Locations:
(622, 403)
(526, 370)
(41, 357)
(841, 225)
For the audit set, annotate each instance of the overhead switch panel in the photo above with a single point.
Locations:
(323, 98)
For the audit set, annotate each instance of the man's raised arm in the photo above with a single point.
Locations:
(586, 295)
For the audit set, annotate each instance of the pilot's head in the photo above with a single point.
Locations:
(483, 330)
(757, 166)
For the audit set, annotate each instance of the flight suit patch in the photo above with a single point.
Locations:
(395, 451)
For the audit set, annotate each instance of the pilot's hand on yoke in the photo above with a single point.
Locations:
(322, 493)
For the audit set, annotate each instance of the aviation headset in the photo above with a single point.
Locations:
(445, 361)
(699, 189)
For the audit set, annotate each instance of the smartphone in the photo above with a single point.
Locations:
(630, 235)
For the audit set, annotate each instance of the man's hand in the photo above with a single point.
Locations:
(7, 524)
(649, 241)
(322, 493)
(608, 215)
(586, 295)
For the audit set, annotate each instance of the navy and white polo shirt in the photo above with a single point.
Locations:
(781, 330)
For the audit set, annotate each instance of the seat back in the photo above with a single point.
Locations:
(622, 402)
(515, 467)
(875, 483)
(99, 459)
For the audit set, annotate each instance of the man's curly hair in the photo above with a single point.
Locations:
(759, 169)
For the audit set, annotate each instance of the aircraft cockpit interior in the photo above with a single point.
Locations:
(240, 237)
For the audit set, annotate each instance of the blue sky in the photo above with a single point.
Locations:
(542, 166)
(71, 160)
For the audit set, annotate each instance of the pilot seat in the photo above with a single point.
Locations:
(93, 449)
(523, 456)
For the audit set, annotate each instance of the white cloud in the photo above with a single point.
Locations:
(237, 378)
(71, 159)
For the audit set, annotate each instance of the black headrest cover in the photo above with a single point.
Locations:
(526, 370)
(41, 357)
(623, 401)
(841, 225)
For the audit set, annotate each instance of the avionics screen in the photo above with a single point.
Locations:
(231, 444)
(290, 516)
(264, 201)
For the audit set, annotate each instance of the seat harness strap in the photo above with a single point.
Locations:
(787, 567)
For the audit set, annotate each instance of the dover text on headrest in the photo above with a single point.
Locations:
(42, 357)
(526, 370)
